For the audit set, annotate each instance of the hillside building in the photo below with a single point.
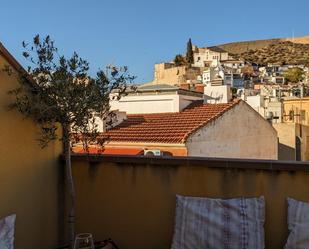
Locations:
(205, 57)
(169, 73)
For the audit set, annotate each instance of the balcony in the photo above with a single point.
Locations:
(132, 199)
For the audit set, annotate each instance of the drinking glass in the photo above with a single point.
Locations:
(84, 241)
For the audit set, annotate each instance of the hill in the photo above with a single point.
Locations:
(284, 52)
(244, 46)
(241, 47)
(302, 40)
(281, 50)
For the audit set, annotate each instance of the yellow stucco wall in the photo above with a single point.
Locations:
(29, 176)
(134, 202)
(301, 121)
(296, 105)
(287, 133)
(166, 73)
(172, 75)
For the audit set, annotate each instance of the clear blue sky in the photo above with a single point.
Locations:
(139, 33)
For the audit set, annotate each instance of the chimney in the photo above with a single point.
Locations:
(185, 86)
(113, 119)
(199, 88)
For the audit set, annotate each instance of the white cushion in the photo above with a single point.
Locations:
(7, 227)
(217, 223)
(298, 224)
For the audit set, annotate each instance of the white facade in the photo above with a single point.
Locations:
(233, 64)
(217, 94)
(257, 103)
(212, 73)
(155, 103)
(238, 133)
(274, 109)
(205, 55)
(269, 108)
(208, 76)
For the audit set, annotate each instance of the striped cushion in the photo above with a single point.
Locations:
(216, 223)
(298, 224)
(7, 232)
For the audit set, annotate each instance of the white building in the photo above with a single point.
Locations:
(233, 64)
(204, 57)
(217, 94)
(257, 103)
(212, 73)
(155, 99)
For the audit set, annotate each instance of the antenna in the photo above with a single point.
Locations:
(293, 40)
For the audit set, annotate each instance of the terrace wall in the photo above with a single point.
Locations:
(132, 200)
(30, 179)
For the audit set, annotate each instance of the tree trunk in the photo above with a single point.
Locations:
(71, 188)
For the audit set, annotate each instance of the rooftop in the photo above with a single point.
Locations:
(157, 87)
(162, 89)
(217, 49)
(213, 48)
(166, 127)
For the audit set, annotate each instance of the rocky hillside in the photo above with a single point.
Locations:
(241, 47)
(284, 52)
(302, 40)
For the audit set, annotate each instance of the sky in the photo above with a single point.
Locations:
(140, 33)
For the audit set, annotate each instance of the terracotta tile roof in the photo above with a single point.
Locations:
(112, 151)
(166, 127)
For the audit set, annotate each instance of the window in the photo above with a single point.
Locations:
(291, 115)
(302, 115)
(298, 148)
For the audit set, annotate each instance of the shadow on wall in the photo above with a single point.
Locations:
(132, 199)
(286, 152)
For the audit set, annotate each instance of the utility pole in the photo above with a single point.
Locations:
(293, 41)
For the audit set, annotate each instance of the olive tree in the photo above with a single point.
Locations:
(180, 60)
(294, 74)
(58, 92)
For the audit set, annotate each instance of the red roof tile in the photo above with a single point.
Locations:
(112, 151)
(166, 127)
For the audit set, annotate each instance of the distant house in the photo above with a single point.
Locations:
(204, 57)
(233, 64)
(278, 79)
(213, 76)
(231, 129)
(234, 80)
(219, 75)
